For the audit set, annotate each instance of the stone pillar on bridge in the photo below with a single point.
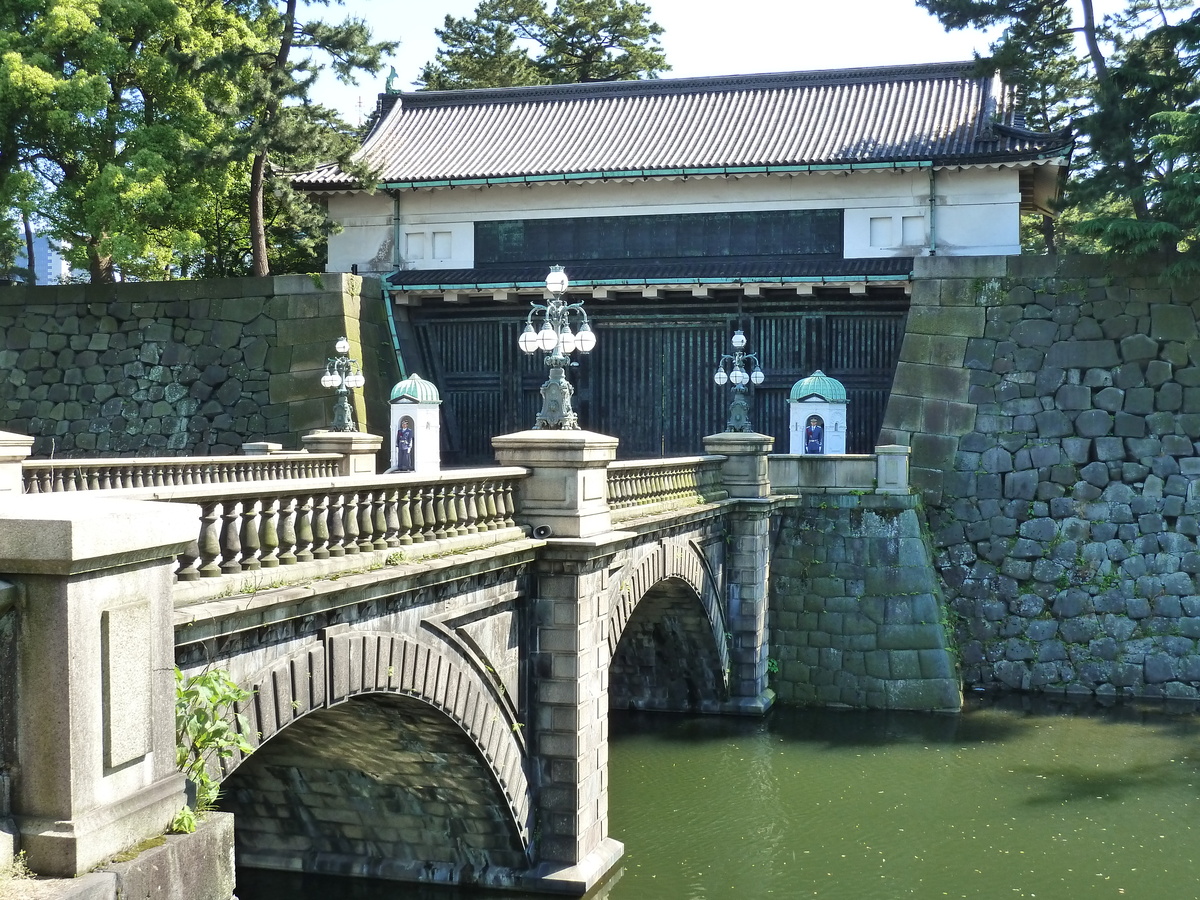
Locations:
(14, 450)
(565, 501)
(360, 451)
(89, 732)
(748, 567)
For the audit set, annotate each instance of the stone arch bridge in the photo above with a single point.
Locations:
(430, 660)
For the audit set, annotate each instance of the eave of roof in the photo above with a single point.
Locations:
(648, 273)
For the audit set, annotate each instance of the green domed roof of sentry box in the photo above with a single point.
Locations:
(415, 389)
(818, 386)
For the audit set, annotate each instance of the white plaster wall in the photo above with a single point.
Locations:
(977, 212)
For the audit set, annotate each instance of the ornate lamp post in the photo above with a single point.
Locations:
(556, 338)
(738, 377)
(343, 375)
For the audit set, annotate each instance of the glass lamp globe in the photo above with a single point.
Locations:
(528, 341)
(739, 340)
(757, 375)
(356, 380)
(342, 346)
(739, 376)
(721, 376)
(329, 380)
(566, 340)
(556, 281)
(546, 337)
(585, 340)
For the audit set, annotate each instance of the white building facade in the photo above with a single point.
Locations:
(908, 161)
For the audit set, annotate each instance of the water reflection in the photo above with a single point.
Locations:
(1013, 798)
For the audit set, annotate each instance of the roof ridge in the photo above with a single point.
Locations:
(703, 84)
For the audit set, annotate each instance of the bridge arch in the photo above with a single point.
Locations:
(435, 702)
(666, 630)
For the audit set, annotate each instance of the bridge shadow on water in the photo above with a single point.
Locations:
(1032, 751)
(985, 718)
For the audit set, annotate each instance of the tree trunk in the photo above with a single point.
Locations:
(258, 170)
(1047, 229)
(258, 227)
(100, 266)
(30, 262)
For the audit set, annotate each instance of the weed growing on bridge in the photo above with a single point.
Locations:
(206, 733)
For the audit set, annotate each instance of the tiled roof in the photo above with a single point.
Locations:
(648, 272)
(937, 113)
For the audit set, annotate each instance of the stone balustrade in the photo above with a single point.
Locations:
(249, 527)
(642, 487)
(54, 476)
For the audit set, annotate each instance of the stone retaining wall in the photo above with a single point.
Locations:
(1054, 415)
(856, 616)
(186, 367)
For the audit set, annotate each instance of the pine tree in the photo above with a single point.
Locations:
(1119, 92)
(510, 43)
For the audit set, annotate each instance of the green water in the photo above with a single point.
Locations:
(999, 802)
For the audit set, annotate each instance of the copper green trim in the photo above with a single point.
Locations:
(610, 282)
(652, 173)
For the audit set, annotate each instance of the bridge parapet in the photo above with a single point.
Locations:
(47, 476)
(246, 528)
(640, 487)
(884, 471)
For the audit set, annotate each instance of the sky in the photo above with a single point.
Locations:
(701, 37)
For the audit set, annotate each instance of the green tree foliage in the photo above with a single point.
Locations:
(1127, 84)
(509, 43)
(11, 245)
(279, 130)
(150, 137)
(107, 128)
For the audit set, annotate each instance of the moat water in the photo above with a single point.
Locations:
(1009, 799)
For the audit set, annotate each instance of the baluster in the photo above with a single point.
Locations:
(428, 514)
(382, 530)
(105, 479)
(439, 512)
(366, 522)
(269, 533)
(350, 523)
(304, 529)
(209, 545)
(391, 517)
(287, 531)
(489, 507)
(230, 545)
(452, 516)
(510, 506)
(406, 526)
(418, 514)
(337, 539)
(250, 539)
(187, 563)
(59, 487)
(320, 528)
(337, 532)
(159, 476)
(466, 509)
